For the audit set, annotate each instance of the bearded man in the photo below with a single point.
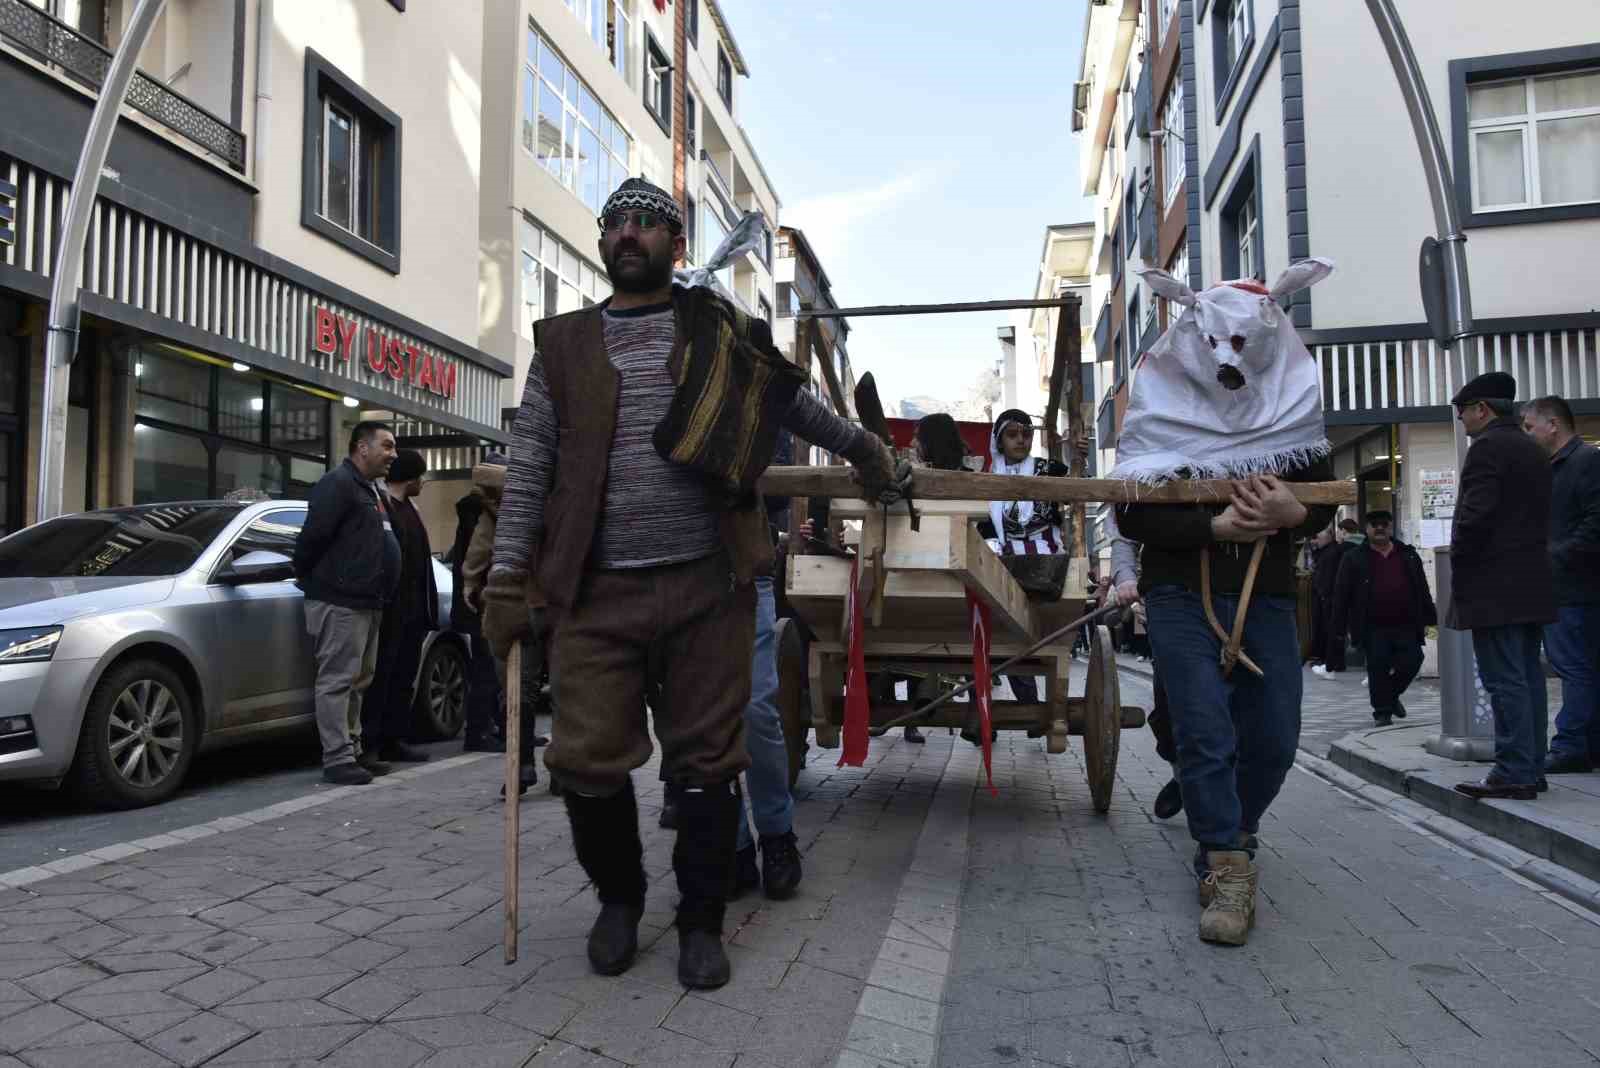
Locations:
(630, 500)
(1229, 391)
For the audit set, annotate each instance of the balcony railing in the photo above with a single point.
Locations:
(85, 61)
(1376, 375)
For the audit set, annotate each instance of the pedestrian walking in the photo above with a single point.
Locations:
(347, 563)
(1347, 536)
(1501, 583)
(630, 498)
(482, 732)
(486, 725)
(1572, 642)
(1234, 702)
(766, 780)
(1381, 600)
(387, 713)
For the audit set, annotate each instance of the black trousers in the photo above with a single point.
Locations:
(486, 706)
(1321, 616)
(386, 714)
(1394, 656)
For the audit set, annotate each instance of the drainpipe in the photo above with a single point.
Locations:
(264, 24)
(61, 341)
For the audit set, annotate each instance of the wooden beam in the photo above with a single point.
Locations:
(935, 485)
(933, 309)
(811, 338)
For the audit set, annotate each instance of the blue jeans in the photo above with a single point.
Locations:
(1228, 776)
(767, 780)
(1573, 645)
(1508, 664)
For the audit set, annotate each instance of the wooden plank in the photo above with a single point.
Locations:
(856, 508)
(931, 484)
(934, 309)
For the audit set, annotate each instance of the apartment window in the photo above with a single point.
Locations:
(555, 279)
(764, 310)
(565, 128)
(788, 300)
(621, 38)
(713, 232)
(691, 21)
(1164, 12)
(1130, 222)
(1532, 141)
(724, 77)
(691, 121)
(1134, 319)
(350, 183)
(592, 14)
(1172, 144)
(1243, 248)
(1232, 35)
(1179, 269)
(657, 83)
(690, 227)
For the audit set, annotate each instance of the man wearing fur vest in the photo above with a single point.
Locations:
(631, 500)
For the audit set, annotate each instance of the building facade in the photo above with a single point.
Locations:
(803, 284)
(1293, 141)
(275, 252)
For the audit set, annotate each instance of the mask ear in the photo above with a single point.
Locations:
(1168, 287)
(1300, 276)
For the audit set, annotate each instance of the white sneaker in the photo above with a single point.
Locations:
(1321, 672)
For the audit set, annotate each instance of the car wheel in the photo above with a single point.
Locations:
(138, 737)
(441, 701)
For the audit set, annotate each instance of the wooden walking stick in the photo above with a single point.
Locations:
(513, 791)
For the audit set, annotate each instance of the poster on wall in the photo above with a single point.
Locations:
(1438, 506)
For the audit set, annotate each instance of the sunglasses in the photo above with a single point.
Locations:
(644, 220)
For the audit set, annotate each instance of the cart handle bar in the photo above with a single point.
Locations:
(1029, 651)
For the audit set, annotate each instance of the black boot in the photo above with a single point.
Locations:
(605, 834)
(780, 865)
(708, 830)
(746, 873)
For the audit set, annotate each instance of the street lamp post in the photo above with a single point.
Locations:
(61, 339)
(1465, 733)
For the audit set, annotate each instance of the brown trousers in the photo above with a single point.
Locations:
(680, 637)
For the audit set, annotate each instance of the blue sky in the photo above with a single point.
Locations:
(923, 147)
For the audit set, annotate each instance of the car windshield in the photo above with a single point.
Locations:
(144, 542)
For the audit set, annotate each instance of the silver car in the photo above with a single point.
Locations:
(133, 638)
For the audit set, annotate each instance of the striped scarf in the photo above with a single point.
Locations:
(733, 388)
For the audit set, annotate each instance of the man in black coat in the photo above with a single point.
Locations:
(1502, 588)
(1381, 600)
(386, 717)
(1572, 642)
(1327, 646)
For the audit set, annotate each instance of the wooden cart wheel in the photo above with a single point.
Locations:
(1102, 718)
(789, 646)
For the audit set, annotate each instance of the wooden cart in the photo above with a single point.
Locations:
(912, 588)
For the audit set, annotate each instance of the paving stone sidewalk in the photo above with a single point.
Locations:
(367, 930)
(1375, 945)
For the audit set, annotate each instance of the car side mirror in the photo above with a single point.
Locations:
(257, 566)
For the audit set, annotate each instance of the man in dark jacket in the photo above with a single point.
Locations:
(387, 712)
(1572, 642)
(1501, 586)
(1382, 601)
(1327, 646)
(347, 561)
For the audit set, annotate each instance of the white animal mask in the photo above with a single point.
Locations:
(1229, 390)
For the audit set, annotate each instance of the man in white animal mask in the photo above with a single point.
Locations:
(1229, 391)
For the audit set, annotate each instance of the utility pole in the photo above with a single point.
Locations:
(1447, 300)
(61, 338)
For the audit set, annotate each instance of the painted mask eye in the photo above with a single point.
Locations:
(1237, 342)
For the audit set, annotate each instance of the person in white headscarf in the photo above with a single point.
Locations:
(1229, 391)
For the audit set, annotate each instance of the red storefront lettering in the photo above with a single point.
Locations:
(325, 332)
(332, 333)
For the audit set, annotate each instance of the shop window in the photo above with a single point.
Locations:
(299, 421)
(169, 466)
(173, 389)
(350, 186)
(239, 468)
(241, 407)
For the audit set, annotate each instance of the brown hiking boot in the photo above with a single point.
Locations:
(1229, 890)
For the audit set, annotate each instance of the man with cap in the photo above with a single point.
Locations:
(631, 502)
(1501, 586)
(1572, 642)
(1381, 600)
(386, 715)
